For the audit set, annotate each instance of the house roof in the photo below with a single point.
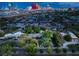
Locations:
(34, 35)
(72, 35)
(13, 34)
(62, 33)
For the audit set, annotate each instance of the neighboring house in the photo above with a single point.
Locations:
(74, 37)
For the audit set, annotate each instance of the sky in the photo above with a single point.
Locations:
(42, 4)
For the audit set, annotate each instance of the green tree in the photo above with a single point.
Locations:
(67, 38)
(28, 29)
(36, 29)
(2, 33)
(47, 34)
(22, 40)
(77, 34)
(49, 50)
(64, 50)
(5, 49)
(31, 50)
(3, 22)
(46, 42)
(77, 47)
(58, 50)
(31, 29)
(21, 43)
(56, 39)
(34, 41)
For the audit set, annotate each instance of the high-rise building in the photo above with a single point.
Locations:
(35, 6)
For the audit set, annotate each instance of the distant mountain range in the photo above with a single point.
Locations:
(42, 4)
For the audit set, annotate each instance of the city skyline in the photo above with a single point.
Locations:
(42, 4)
